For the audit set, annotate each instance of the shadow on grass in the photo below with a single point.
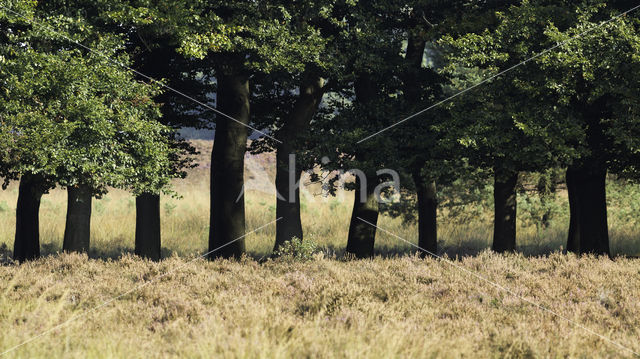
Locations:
(623, 245)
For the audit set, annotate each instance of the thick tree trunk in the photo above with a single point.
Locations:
(427, 214)
(288, 169)
(27, 239)
(361, 238)
(148, 239)
(425, 190)
(413, 61)
(588, 228)
(227, 221)
(77, 231)
(288, 200)
(505, 202)
(362, 234)
(586, 180)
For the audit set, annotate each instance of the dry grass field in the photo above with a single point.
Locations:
(380, 308)
(395, 305)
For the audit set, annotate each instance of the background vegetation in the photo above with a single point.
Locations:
(465, 221)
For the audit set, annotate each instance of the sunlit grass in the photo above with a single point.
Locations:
(379, 308)
(185, 224)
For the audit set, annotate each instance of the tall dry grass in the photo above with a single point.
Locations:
(185, 224)
(379, 308)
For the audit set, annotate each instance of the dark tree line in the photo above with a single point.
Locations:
(317, 80)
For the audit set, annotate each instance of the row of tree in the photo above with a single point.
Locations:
(93, 93)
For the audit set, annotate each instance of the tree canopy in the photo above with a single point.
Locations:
(442, 92)
(74, 117)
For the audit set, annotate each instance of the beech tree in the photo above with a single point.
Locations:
(507, 125)
(287, 102)
(150, 32)
(424, 152)
(76, 121)
(567, 107)
(393, 67)
(152, 40)
(596, 80)
(239, 41)
(386, 77)
(363, 101)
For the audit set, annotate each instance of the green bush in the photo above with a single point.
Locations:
(298, 249)
(623, 202)
(539, 210)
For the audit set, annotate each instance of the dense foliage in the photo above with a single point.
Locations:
(74, 118)
(445, 93)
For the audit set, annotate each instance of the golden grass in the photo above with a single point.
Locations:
(185, 224)
(325, 220)
(380, 308)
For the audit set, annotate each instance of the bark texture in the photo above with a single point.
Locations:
(427, 214)
(227, 221)
(588, 228)
(288, 169)
(361, 238)
(77, 231)
(586, 184)
(362, 234)
(505, 202)
(148, 238)
(427, 204)
(27, 238)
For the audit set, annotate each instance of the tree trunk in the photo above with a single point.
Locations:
(425, 190)
(148, 239)
(586, 181)
(288, 199)
(27, 239)
(227, 221)
(288, 169)
(77, 231)
(505, 202)
(362, 234)
(361, 238)
(413, 66)
(427, 214)
(588, 228)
